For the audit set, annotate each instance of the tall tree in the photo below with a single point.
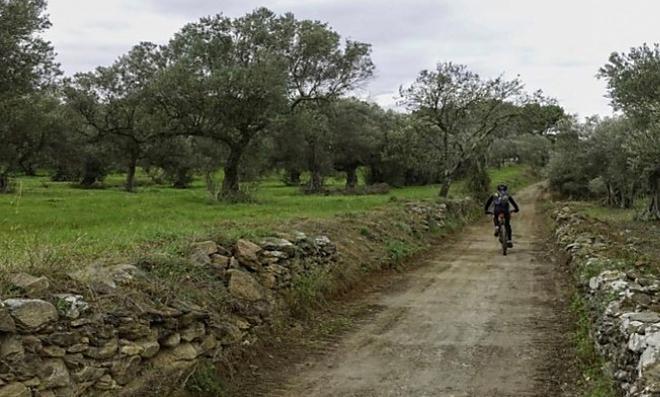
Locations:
(633, 82)
(354, 131)
(27, 68)
(226, 81)
(321, 69)
(462, 111)
(112, 102)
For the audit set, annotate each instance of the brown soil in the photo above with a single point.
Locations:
(465, 321)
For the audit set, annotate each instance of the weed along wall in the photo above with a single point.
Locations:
(622, 305)
(141, 328)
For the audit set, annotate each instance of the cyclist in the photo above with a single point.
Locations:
(500, 203)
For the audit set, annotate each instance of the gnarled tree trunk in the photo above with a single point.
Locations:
(4, 183)
(293, 177)
(231, 184)
(653, 210)
(351, 177)
(315, 181)
(130, 176)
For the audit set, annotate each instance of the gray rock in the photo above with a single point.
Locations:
(124, 274)
(15, 389)
(278, 244)
(103, 278)
(275, 254)
(32, 344)
(299, 237)
(64, 339)
(642, 317)
(208, 343)
(220, 260)
(171, 340)
(243, 286)
(185, 351)
(150, 348)
(28, 283)
(7, 323)
(247, 254)
(89, 374)
(230, 334)
(11, 349)
(193, 332)
(54, 352)
(54, 373)
(131, 349)
(200, 258)
(71, 306)
(322, 241)
(275, 276)
(325, 245)
(207, 248)
(31, 314)
(108, 350)
(78, 348)
(125, 369)
(106, 383)
(75, 360)
(34, 382)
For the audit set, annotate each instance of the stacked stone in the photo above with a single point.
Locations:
(627, 309)
(427, 216)
(254, 272)
(59, 346)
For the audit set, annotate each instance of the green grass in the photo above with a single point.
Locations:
(631, 241)
(49, 223)
(612, 215)
(595, 381)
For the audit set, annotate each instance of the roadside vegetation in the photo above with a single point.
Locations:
(51, 224)
(608, 171)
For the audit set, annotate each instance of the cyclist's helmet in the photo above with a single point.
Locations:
(502, 188)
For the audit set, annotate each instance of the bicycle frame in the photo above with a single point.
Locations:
(502, 232)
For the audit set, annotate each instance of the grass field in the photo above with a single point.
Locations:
(44, 222)
(634, 241)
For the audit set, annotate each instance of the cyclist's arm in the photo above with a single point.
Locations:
(515, 205)
(488, 203)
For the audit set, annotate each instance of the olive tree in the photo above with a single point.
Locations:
(321, 69)
(226, 81)
(464, 111)
(402, 155)
(633, 81)
(112, 103)
(27, 71)
(354, 129)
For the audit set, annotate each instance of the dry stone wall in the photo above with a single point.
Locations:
(625, 307)
(102, 334)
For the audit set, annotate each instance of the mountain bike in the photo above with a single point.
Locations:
(502, 234)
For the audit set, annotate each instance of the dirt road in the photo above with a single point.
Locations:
(468, 323)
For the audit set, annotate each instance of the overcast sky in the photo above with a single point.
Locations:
(556, 46)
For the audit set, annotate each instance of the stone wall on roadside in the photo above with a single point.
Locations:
(625, 307)
(102, 334)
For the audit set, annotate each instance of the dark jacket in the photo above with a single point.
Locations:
(508, 207)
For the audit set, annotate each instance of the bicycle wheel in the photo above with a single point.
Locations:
(503, 239)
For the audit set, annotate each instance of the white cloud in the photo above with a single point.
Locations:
(555, 46)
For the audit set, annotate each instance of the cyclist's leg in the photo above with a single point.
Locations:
(507, 224)
(496, 222)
